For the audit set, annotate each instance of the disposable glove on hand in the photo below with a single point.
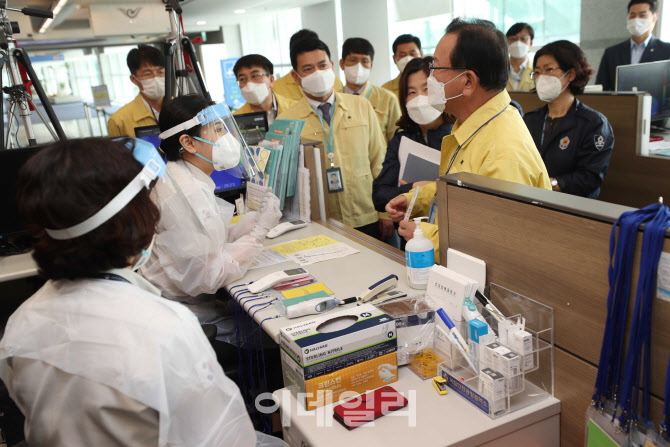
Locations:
(267, 218)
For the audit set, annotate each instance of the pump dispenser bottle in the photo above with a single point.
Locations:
(420, 257)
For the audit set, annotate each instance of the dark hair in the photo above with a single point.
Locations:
(304, 46)
(653, 4)
(65, 184)
(518, 27)
(144, 54)
(405, 38)
(483, 49)
(414, 66)
(302, 34)
(569, 56)
(254, 60)
(175, 112)
(357, 45)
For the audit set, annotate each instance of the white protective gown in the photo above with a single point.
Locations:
(104, 362)
(193, 258)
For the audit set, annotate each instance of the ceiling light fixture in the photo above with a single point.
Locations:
(47, 23)
(201, 22)
(240, 11)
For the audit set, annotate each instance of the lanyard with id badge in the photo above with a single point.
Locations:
(333, 174)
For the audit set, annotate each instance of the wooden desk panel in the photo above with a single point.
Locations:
(632, 180)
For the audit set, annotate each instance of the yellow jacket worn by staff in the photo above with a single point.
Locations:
(359, 149)
(386, 107)
(127, 118)
(393, 86)
(502, 149)
(282, 105)
(526, 84)
(286, 87)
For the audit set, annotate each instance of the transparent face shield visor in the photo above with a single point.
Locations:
(229, 150)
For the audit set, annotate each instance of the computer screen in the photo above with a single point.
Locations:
(11, 223)
(253, 126)
(651, 77)
(150, 134)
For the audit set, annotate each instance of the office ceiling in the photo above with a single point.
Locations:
(72, 26)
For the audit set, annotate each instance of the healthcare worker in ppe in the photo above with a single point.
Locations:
(97, 357)
(197, 250)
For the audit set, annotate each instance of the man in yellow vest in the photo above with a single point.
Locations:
(405, 48)
(255, 77)
(286, 86)
(357, 60)
(147, 72)
(520, 40)
(349, 129)
(489, 138)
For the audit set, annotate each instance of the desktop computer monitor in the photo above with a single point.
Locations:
(14, 238)
(150, 134)
(651, 77)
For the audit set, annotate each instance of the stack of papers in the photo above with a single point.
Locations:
(417, 162)
(314, 249)
(285, 136)
(448, 289)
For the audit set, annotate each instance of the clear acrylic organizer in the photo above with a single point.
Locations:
(532, 384)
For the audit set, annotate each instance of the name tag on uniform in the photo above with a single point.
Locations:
(334, 179)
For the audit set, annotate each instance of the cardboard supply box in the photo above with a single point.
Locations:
(319, 366)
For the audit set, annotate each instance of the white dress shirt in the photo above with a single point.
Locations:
(636, 51)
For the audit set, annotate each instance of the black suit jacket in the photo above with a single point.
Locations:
(619, 54)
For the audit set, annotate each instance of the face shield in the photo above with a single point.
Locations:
(154, 167)
(229, 150)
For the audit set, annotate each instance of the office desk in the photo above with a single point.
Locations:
(345, 277)
(439, 420)
(429, 420)
(17, 267)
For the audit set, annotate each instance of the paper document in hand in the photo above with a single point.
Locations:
(417, 162)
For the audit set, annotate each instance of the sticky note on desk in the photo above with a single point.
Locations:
(306, 290)
(300, 299)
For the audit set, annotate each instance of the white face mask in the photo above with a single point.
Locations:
(255, 92)
(144, 257)
(357, 74)
(638, 27)
(319, 83)
(436, 96)
(518, 50)
(153, 88)
(549, 87)
(225, 152)
(420, 110)
(402, 63)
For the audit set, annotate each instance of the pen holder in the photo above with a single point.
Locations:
(512, 375)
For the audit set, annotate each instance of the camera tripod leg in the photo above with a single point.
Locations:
(23, 58)
(168, 51)
(10, 115)
(190, 49)
(43, 118)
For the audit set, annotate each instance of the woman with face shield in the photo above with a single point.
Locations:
(419, 122)
(197, 251)
(574, 140)
(97, 357)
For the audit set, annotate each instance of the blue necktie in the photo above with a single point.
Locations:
(325, 111)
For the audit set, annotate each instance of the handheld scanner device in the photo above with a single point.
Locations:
(275, 278)
(377, 288)
(315, 306)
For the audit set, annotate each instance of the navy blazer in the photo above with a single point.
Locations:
(385, 186)
(619, 54)
(578, 152)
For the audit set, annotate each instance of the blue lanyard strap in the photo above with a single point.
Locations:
(329, 146)
(453, 158)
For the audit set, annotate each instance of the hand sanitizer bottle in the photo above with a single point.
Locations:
(420, 257)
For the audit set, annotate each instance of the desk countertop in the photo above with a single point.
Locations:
(428, 420)
(345, 277)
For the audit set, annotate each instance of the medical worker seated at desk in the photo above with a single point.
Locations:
(575, 141)
(197, 250)
(97, 357)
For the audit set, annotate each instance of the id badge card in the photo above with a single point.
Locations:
(334, 179)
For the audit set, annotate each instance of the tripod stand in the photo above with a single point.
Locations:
(19, 96)
(177, 80)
